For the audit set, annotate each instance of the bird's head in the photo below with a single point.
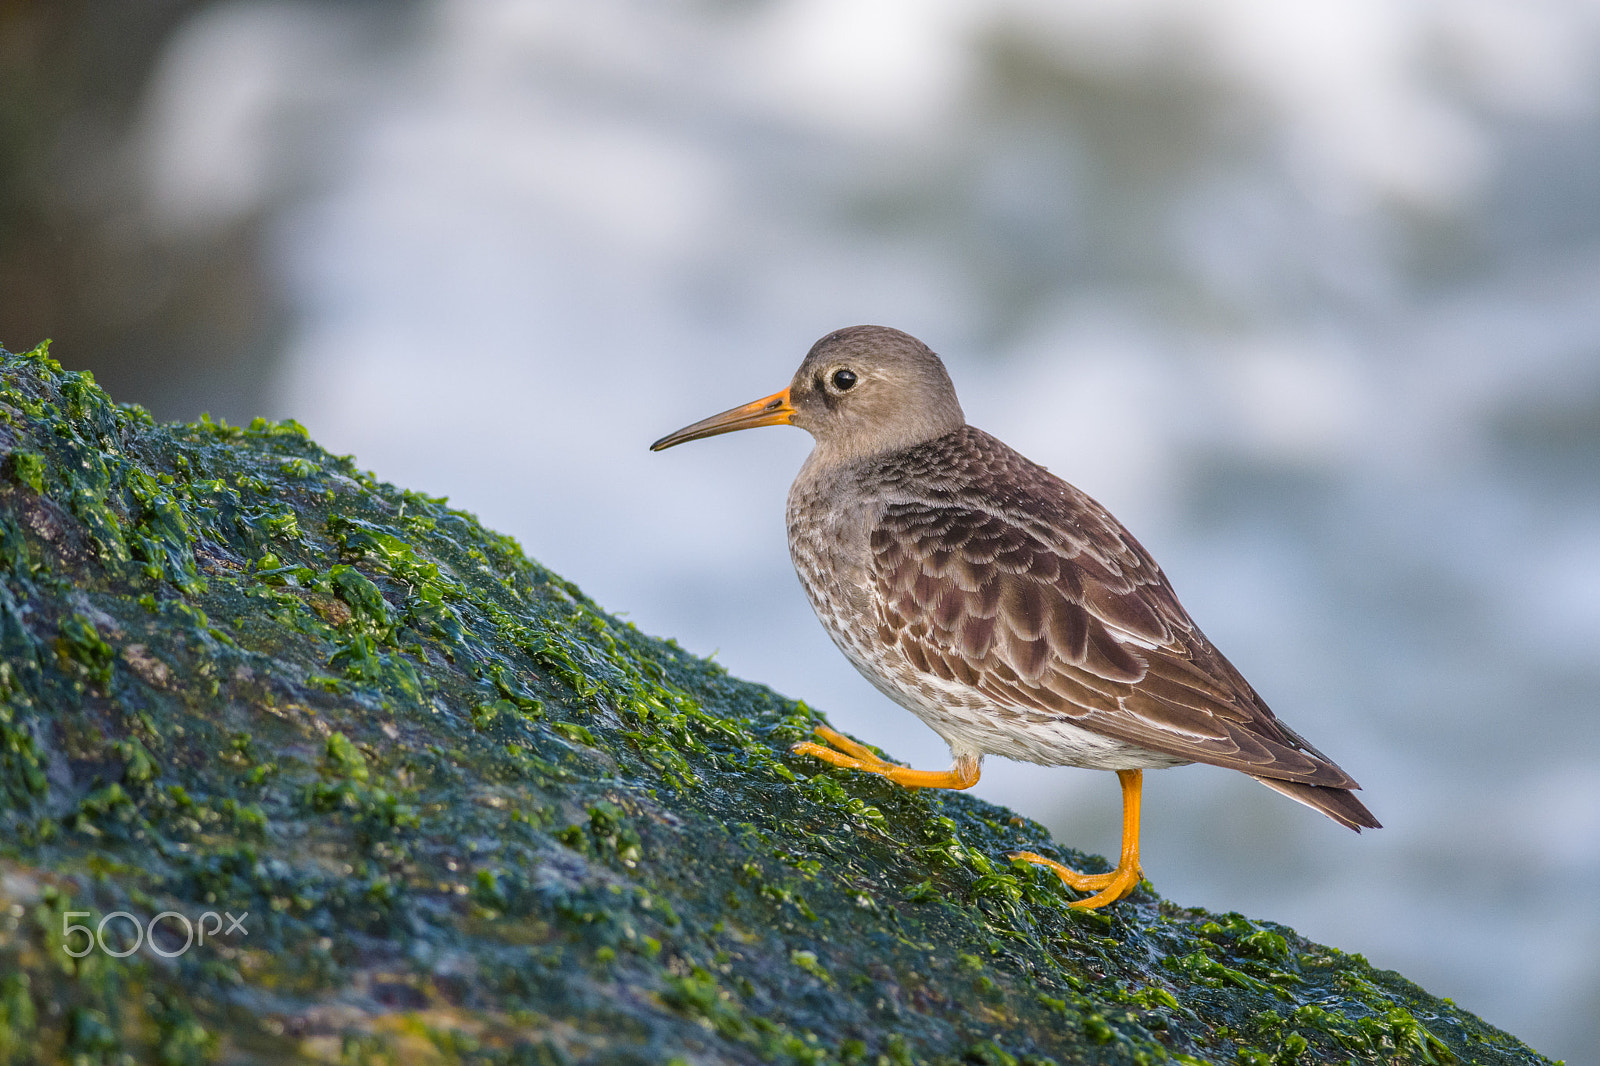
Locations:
(865, 390)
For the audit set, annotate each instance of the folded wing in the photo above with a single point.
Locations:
(1053, 609)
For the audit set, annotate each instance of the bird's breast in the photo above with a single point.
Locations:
(829, 528)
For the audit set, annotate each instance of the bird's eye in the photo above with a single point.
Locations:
(843, 380)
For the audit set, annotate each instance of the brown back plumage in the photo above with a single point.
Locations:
(993, 572)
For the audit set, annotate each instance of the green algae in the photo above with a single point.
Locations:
(470, 817)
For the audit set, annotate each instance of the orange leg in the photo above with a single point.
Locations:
(840, 750)
(1107, 888)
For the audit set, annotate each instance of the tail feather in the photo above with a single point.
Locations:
(1340, 804)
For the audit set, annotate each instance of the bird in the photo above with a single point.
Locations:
(1002, 606)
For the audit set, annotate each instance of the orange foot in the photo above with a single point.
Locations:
(840, 750)
(1107, 888)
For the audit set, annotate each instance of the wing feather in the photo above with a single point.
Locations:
(1051, 608)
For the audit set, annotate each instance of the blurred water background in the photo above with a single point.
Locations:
(1308, 294)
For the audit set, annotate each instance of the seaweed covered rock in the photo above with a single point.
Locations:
(298, 766)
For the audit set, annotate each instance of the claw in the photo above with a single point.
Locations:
(840, 750)
(1107, 888)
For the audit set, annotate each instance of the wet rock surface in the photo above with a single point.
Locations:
(299, 766)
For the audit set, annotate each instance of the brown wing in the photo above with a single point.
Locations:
(1055, 610)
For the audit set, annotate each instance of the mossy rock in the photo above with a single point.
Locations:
(462, 814)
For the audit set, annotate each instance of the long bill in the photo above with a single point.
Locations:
(774, 410)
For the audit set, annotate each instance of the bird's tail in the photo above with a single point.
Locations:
(1340, 804)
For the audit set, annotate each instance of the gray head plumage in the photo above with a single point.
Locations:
(863, 390)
